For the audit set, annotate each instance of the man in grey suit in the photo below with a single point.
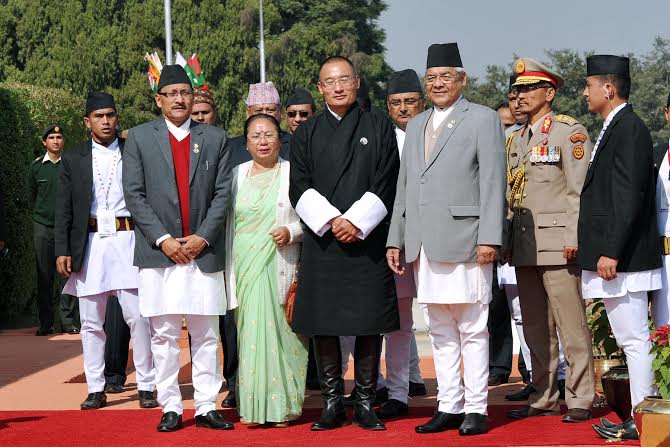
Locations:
(177, 184)
(447, 218)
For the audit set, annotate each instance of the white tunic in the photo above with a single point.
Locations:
(108, 261)
(451, 283)
(593, 286)
(181, 289)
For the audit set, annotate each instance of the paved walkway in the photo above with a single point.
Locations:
(46, 373)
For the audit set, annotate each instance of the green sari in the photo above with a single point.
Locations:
(272, 359)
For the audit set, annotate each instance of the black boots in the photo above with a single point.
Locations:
(366, 369)
(329, 364)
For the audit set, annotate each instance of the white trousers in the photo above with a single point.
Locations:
(628, 318)
(459, 331)
(92, 310)
(397, 356)
(206, 366)
(660, 299)
(512, 293)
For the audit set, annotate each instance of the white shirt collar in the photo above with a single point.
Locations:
(337, 117)
(111, 148)
(611, 115)
(180, 132)
(47, 158)
(439, 115)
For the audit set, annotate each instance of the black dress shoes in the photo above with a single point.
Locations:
(609, 424)
(529, 412)
(392, 408)
(441, 422)
(496, 379)
(522, 395)
(44, 331)
(113, 388)
(416, 389)
(170, 421)
(625, 431)
(474, 424)
(214, 421)
(577, 415)
(147, 399)
(94, 401)
(231, 400)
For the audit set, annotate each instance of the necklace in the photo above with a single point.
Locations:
(255, 206)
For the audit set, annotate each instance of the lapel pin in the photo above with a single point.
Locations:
(196, 150)
(450, 125)
(453, 121)
(364, 141)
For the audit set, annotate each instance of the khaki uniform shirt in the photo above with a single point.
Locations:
(554, 161)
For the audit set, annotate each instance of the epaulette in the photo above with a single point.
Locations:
(36, 160)
(570, 121)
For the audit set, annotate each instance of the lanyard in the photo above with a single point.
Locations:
(105, 187)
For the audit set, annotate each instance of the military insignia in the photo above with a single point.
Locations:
(570, 121)
(533, 156)
(520, 66)
(364, 141)
(546, 141)
(578, 152)
(57, 129)
(578, 138)
(546, 125)
(545, 154)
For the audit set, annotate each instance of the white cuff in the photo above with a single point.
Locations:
(161, 239)
(366, 213)
(316, 211)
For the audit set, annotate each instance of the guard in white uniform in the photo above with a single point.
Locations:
(660, 299)
(94, 245)
(619, 249)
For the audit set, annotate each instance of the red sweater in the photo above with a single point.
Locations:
(181, 155)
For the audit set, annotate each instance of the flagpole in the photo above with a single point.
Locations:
(262, 44)
(168, 32)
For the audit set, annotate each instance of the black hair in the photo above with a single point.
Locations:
(502, 105)
(620, 83)
(259, 116)
(338, 59)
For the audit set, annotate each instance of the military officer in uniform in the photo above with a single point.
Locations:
(547, 162)
(42, 186)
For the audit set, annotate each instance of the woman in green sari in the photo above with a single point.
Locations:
(264, 234)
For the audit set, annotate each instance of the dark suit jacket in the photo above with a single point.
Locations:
(659, 152)
(617, 215)
(73, 202)
(239, 153)
(150, 189)
(3, 218)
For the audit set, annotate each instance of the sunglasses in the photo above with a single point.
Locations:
(293, 113)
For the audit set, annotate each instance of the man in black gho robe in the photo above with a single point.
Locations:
(344, 168)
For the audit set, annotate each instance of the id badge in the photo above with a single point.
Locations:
(106, 223)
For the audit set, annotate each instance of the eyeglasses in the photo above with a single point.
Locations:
(293, 113)
(395, 103)
(345, 81)
(269, 136)
(447, 78)
(531, 87)
(173, 94)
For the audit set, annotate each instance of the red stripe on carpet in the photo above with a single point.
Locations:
(137, 427)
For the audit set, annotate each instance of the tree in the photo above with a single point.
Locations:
(82, 45)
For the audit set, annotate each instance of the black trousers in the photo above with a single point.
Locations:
(45, 255)
(500, 332)
(228, 330)
(117, 344)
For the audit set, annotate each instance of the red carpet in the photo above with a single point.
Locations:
(137, 427)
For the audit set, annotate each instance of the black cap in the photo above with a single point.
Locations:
(173, 74)
(512, 80)
(605, 64)
(404, 81)
(362, 91)
(300, 96)
(54, 128)
(444, 55)
(99, 100)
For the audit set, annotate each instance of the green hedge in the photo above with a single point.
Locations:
(25, 110)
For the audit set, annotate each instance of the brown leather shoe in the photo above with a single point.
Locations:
(529, 412)
(577, 415)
